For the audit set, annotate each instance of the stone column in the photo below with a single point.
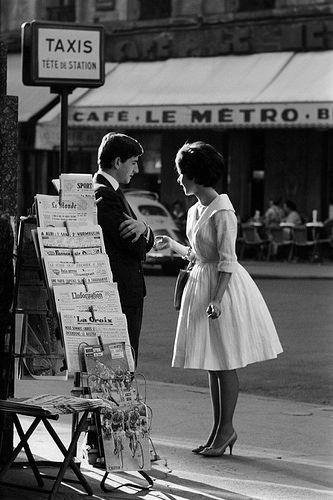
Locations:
(8, 213)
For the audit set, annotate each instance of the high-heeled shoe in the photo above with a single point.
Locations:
(217, 452)
(199, 448)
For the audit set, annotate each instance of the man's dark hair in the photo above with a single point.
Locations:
(115, 145)
(200, 162)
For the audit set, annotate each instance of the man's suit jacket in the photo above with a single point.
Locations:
(125, 257)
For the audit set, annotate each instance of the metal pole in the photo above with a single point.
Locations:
(63, 130)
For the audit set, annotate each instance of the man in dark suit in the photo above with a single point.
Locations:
(127, 239)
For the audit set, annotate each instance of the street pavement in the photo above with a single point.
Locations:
(283, 451)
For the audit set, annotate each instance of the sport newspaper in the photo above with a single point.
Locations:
(74, 186)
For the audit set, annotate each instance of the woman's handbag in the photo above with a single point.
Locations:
(182, 278)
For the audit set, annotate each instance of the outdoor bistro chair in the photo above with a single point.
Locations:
(254, 242)
(280, 245)
(303, 247)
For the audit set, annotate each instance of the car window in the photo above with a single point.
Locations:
(152, 210)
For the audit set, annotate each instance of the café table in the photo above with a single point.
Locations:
(315, 230)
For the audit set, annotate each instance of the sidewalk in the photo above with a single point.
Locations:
(289, 270)
(284, 451)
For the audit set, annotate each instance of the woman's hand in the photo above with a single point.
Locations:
(214, 310)
(162, 242)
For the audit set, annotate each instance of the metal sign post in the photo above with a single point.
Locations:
(63, 157)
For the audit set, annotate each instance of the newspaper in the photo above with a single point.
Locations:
(81, 329)
(80, 237)
(70, 254)
(58, 404)
(74, 186)
(53, 212)
(86, 271)
(99, 296)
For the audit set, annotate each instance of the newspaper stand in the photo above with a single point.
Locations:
(11, 408)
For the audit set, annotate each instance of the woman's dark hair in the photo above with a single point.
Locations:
(115, 145)
(291, 205)
(200, 162)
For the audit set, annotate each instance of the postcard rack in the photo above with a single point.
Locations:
(122, 434)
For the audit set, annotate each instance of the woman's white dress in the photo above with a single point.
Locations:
(245, 332)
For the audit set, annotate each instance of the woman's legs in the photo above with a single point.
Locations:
(226, 399)
(224, 387)
(215, 401)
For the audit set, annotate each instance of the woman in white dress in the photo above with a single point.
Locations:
(223, 323)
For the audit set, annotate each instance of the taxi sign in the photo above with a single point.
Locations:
(63, 54)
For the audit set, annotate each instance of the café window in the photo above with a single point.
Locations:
(254, 5)
(154, 9)
(60, 10)
(151, 159)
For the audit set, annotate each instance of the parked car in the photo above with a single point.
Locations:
(146, 206)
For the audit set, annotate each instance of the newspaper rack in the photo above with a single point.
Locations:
(11, 408)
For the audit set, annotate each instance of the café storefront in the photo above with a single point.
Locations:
(270, 114)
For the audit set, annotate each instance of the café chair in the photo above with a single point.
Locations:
(280, 243)
(239, 239)
(304, 248)
(253, 242)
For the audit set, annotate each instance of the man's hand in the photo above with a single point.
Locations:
(132, 228)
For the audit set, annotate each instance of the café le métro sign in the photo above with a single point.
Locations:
(299, 114)
(63, 54)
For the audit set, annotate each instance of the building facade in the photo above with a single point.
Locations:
(250, 77)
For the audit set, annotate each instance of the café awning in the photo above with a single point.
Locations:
(31, 100)
(280, 89)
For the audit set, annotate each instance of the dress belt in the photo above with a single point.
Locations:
(206, 261)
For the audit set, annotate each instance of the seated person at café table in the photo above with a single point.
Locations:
(291, 214)
(273, 214)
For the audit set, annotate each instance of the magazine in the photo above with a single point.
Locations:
(108, 374)
(125, 434)
(53, 212)
(126, 427)
(81, 329)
